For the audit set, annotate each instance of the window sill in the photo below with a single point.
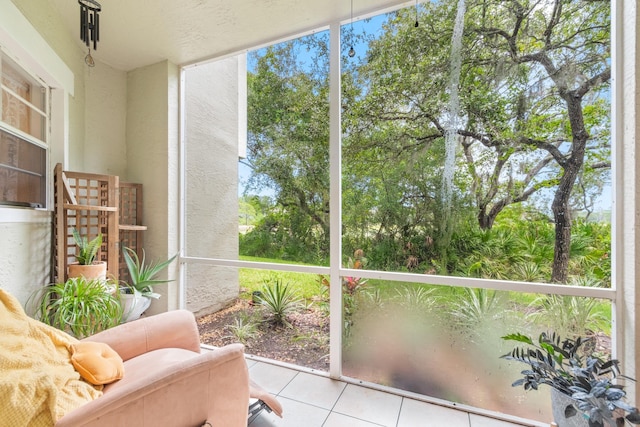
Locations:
(15, 214)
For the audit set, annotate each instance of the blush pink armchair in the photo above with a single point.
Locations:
(168, 381)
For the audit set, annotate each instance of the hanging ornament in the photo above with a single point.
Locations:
(89, 59)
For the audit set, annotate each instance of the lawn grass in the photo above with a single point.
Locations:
(309, 287)
(305, 285)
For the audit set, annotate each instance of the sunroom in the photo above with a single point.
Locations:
(168, 97)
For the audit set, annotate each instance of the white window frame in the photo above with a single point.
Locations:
(625, 233)
(44, 112)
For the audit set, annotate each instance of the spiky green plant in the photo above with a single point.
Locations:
(279, 300)
(475, 306)
(79, 306)
(569, 315)
(244, 327)
(87, 249)
(142, 274)
(416, 297)
(529, 271)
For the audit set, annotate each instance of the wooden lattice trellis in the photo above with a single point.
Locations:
(94, 204)
(131, 227)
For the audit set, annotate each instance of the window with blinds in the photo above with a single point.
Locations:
(23, 136)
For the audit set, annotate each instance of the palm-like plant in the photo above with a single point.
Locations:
(416, 298)
(142, 274)
(475, 306)
(571, 315)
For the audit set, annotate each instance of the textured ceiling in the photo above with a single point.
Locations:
(135, 33)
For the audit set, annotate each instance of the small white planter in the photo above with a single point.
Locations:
(133, 306)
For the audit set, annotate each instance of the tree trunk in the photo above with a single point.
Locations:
(560, 205)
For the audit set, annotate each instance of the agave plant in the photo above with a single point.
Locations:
(143, 274)
(279, 300)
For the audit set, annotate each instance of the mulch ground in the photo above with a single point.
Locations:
(305, 342)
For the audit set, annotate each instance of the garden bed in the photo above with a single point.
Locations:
(305, 342)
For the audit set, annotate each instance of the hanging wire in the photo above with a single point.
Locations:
(417, 24)
(352, 51)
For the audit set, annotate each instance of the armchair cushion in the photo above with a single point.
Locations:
(96, 362)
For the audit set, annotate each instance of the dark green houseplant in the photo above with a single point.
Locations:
(587, 379)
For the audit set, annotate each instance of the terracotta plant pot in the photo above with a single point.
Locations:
(97, 270)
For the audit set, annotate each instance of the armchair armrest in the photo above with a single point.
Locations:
(175, 329)
(211, 386)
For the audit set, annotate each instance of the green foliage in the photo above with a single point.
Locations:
(416, 298)
(143, 274)
(562, 365)
(569, 315)
(244, 328)
(279, 300)
(474, 307)
(251, 280)
(516, 141)
(252, 209)
(287, 148)
(87, 250)
(79, 306)
(281, 236)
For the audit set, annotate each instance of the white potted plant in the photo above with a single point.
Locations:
(136, 295)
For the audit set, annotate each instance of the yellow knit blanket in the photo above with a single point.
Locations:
(38, 383)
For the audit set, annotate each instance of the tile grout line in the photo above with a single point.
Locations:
(336, 402)
(287, 384)
(400, 411)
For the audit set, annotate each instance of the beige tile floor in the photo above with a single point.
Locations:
(312, 400)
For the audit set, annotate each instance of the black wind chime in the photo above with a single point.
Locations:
(90, 26)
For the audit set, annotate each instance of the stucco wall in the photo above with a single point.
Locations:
(152, 160)
(211, 188)
(104, 142)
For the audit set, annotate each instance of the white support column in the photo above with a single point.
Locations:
(335, 172)
(625, 234)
